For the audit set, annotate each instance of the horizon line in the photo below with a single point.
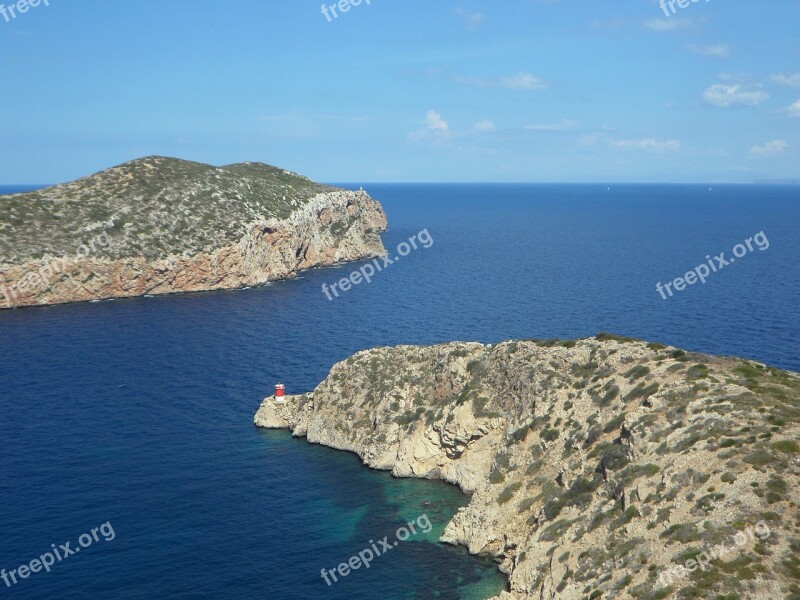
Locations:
(787, 183)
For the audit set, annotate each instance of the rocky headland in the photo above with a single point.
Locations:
(161, 225)
(599, 468)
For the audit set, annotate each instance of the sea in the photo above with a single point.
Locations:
(126, 427)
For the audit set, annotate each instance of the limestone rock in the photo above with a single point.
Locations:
(594, 466)
(162, 226)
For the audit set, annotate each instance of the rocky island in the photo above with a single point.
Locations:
(161, 225)
(599, 468)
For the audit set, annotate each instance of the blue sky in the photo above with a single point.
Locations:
(518, 90)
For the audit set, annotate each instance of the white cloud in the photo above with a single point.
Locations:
(727, 96)
(434, 122)
(713, 50)
(485, 126)
(672, 24)
(520, 81)
(794, 109)
(436, 128)
(793, 80)
(523, 81)
(647, 144)
(471, 19)
(565, 125)
(770, 148)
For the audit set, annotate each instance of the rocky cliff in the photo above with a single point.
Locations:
(602, 468)
(161, 225)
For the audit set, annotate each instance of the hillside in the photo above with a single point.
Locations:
(597, 467)
(163, 225)
(152, 207)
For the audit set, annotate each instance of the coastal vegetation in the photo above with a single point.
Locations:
(621, 458)
(161, 225)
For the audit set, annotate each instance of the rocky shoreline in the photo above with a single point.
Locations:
(595, 467)
(326, 228)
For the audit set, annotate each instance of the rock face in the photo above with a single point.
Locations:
(160, 226)
(597, 468)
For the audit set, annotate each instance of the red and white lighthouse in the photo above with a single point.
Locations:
(280, 392)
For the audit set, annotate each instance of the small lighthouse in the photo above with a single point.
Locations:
(280, 391)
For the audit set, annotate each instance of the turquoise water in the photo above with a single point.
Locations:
(139, 412)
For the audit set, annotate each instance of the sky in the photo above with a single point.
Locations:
(406, 91)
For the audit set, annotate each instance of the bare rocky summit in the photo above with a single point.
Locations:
(161, 225)
(599, 468)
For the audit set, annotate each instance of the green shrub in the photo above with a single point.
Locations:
(641, 391)
(637, 372)
(479, 408)
(683, 533)
(614, 423)
(748, 371)
(776, 484)
(612, 391)
(550, 435)
(706, 503)
(624, 582)
(583, 370)
(496, 477)
(592, 436)
(630, 513)
(698, 371)
(634, 472)
(555, 530)
(788, 446)
(508, 493)
(406, 418)
(605, 337)
(759, 458)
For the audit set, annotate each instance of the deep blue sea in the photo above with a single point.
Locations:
(138, 412)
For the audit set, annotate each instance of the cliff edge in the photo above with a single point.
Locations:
(161, 225)
(600, 468)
